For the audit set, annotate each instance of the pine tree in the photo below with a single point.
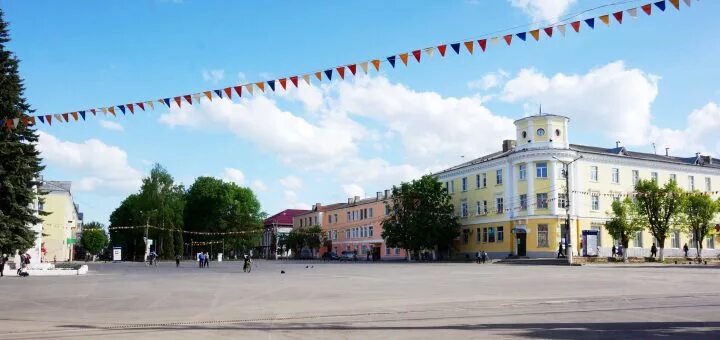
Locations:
(19, 159)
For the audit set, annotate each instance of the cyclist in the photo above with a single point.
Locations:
(152, 258)
(247, 265)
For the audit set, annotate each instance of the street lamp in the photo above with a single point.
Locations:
(566, 171)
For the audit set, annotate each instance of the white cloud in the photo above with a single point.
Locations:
(98, 166)
(291, 182)
(234, 175)
(353, 189)
(110, 125)
(699, 135)
(258, 185)
(547, 10)
(612, 99)
(488, 81)
(292, 202)
(213, 76)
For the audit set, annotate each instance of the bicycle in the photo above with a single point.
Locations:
(247, 267)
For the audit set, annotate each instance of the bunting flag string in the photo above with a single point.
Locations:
(574, 20)
(189, 232)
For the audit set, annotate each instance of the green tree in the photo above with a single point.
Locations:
(421, 217)
(163, 204)
(699, 211)
(298, 239)
(19, 159)
(658, 208)
(93, 237)
(129, 214)
(213, 205)
(623, 223)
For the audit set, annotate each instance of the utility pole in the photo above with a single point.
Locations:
(147, 222)
(568, 243)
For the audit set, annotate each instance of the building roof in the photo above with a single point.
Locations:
(284, 217)
(56, 186)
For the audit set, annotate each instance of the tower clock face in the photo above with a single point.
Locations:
(540, 132)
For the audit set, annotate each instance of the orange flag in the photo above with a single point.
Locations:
(469, 46)
(318, 75)
(376, 63)
(282, 82)
(261, 86)
(208, 94)
(228, 92)
(111, 110)
(676, 4)
(605, 19)
(178, 100)
(404, 57)
(74, 114)
(535, 34)
(341, 71)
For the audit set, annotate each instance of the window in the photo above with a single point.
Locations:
(673, 177)
(710, 242)
(447, 187)
(478, 237)
(329, 219)
(499, 205)
(491, 234)
(347, 234)
(691, 183)
(484, 180)
(500, 234)
(638, 240)
(370, 231)
(348, 216)
(364, 249)
(595, 201)
(478, 209)
(675, 239)
(478, 181)
(485, 207)
(708, 184)
(452, 186)
(635, 176)
(541, 170)
(523, 202)
(598, 227)
(541, 132)
(594, 173)
(371, 212)
(523, 169)
(562, 201)
(387, 251)
(387, 209)
(466, 236)
(542, 201)
(464, 209)
(654, 176)
(542, 235)
(397, 251)
(498, 176)
(301, 222)
(616, 175)
(485, 235)
(464, 184)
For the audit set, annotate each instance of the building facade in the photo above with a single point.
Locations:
(275, 227)
(62, 223)
(513, 202)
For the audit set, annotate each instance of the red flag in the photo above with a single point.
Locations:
(416, 54)
(130, 106)
(341, 71)
(576, 26)
(283, 83)
(618, 16)
(442, 49)
(91, 110)
(238, 90)
(228, 92)
(483, 44)
(294, 80)
(549, 31)
(141, 105)
(188, 98)
(48, 118)
(352, 68)
(65, 115)
(508, 39)
(178, 100)
(31, 120)
(647, 9)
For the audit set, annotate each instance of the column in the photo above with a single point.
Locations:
(554, 187)
(530, 176)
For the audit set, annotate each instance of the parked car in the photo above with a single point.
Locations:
(349, 256)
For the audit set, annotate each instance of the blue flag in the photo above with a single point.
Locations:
(521, 35)
(272, 84)
(328, 74)
(167, 101)
(82, 114)
(392, 61)
(590, 22)
(661, 5)
(122, 108)
(42, 119)
(456, 47)
(218, 93)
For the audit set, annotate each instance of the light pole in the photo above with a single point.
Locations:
(566, 171)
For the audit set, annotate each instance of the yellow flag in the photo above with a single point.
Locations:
(111, 110)
(306, 77)
(403, 57)
(208, 94)
(318, 75)
(605, 19)
(364, 66)
(249, 88)
(535, 34)
(104, 110)
(376, 63)
(469, 46)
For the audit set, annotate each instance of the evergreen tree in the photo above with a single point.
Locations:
(19, 159)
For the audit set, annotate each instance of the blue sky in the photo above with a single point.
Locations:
(649, 80)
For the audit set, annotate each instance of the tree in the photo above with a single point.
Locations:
(93, 237)
(421, 216)
(298, 239)
(623, 224)
(658, 208)
(699, 211)
(19, 159)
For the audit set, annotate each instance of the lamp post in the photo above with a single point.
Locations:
(566, 171)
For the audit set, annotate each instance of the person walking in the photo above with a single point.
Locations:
(560, 250)
(3, 261)
(653, 251)
(484, 256)
(477, 257)
(207, 260)
(177, 260)
(686, 249)
(201, 260)
(614, 251)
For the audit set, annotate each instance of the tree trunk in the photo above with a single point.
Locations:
(661, 252)
(698, 246)
(625, 256)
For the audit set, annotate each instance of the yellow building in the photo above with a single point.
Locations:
(63, 222)
(513, 202)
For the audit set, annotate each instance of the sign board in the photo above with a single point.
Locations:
(117, 253)
(71, 241)
(590, 238)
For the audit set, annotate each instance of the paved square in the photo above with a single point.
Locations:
(364, 300)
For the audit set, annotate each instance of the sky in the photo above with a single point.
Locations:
(650, 80)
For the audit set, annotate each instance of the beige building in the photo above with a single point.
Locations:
(62, 224)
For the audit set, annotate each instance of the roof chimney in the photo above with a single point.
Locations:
(667, 152)
(357, 198)
(350, 200)
(387, 193)
(317, 206)
(617, 144)
(508, 145)
(379, 195)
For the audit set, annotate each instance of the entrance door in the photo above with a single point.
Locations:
(521, 246)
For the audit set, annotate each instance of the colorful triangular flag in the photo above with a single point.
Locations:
(328, 74)
(249, 88)
(341, 71)
(483, 44)
(647, 9)
(208, 94)
(141, 105)
(238, 90)
(42, 119)
(283, 83)
(417, 54)
(218, 93)
(632, 12)
(318, 75)
(590, 22)
(178, 101)
(605, 19)
(469, 46)
(561, 28)
(442, 49)
(376, 63)
(535, 34)
(660, 5)
(228, 92)
(74, 115)
(522, 35)
(93, 112)
(122, 108)
(271, 83)
(575, 25)
(65, 117)
(618, 16)
(150, 103)
(675, 3)
(391, 59)
(306, 78)
(130, 107)
(261, 86)
(403, 58)
(430, 51)
(82, 114)
(508, 39)
(364, 66)
(188, 98)
(548, 31)
(59, 117)
(456, 47)
(352, 68)
(166, 101)
(294, 80)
